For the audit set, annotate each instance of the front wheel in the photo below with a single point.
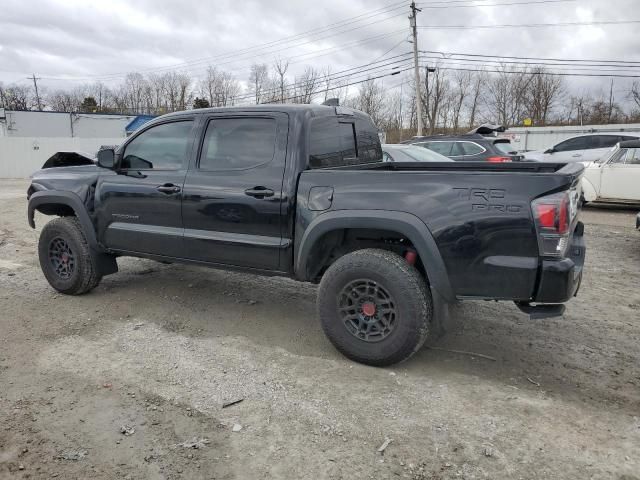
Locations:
(374, 307)
(65, 257)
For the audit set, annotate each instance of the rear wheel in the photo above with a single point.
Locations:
(374, 307)
(65, 257)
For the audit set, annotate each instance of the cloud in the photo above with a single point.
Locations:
(82, 40)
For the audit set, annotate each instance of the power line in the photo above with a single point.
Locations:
(572, 66)
(530, 58)
(397, 72)
(559, 74)
(529, 25)
(400, 63)
(475, 5)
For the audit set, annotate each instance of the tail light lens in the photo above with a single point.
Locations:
(554, 214)
(498, 159)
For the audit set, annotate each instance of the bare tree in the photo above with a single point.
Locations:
(635, 93)
(462, 88)
(306, 86)
(435, 91)
(371, 99)
(281, 68)
(542, 95)
(477, 91)
(15, 97)
(258, 77)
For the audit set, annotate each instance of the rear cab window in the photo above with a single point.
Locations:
(336, 141)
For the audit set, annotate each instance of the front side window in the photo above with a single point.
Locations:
(238, 143)
(618, 157)
(163, 147)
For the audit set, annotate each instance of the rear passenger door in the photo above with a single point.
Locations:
(231, 205)
(600, 145)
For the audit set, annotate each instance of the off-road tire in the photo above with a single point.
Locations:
(403, 283)
(84, 275)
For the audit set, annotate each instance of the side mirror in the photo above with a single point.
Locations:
(549, 150)
(106, 158)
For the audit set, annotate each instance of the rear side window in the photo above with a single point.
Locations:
(577, 143)
(238, 143)
(633, 157)
(605, 141)
(334, 143)
(443, 148)
(505, 147)
(471, 148)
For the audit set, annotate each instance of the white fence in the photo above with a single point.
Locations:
(21, 156)
(541, 138)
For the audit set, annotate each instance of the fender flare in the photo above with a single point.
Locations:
(588, 190)
(404, 223)
(64, 198)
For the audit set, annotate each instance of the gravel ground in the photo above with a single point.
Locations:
(159, 350)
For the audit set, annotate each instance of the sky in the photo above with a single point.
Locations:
(70, 42)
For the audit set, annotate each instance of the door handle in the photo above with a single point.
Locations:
(576, 155)
(168, 188)
(259, 192)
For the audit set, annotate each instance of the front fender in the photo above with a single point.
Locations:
(588, 190)
(403, 223)
(55, 197)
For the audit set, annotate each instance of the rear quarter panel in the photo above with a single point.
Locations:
(481, 221)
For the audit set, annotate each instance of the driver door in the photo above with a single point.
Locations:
(139, 207)
(621, 176)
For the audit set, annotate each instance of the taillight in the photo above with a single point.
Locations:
(498, 159)
(554, 215)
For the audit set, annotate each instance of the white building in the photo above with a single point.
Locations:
(28, 139)
(541, 138)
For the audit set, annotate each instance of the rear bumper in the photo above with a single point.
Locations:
(560, 279)
(638, 221)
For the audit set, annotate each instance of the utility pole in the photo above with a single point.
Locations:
(35, 86)
(416, 68)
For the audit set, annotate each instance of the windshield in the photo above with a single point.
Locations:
(412, 153)
(612, 152)
(505, 147)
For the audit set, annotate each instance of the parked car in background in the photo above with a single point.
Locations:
(583, 148)
(470, 147)
(410, 153)
(616, 177)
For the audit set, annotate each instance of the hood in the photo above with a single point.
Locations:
(537, 155)
(69, 159)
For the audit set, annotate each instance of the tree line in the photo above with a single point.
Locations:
(452, 100)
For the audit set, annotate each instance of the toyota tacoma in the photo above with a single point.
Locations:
(302, 191)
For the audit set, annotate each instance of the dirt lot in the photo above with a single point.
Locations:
(161, 348)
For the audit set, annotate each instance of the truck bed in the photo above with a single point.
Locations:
(479, 214)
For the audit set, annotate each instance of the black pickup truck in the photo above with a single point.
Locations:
(302, 191)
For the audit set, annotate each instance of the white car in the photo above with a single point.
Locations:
(616, 177)
(583, 148)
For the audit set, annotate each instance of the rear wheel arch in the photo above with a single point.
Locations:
(330, 228)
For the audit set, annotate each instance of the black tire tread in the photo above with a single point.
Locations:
(417, 292)
(88, 277)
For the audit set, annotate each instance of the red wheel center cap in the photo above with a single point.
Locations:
(369, 309)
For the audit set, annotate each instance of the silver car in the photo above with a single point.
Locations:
(410, 153)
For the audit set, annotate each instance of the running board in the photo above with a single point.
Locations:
(538, 312)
